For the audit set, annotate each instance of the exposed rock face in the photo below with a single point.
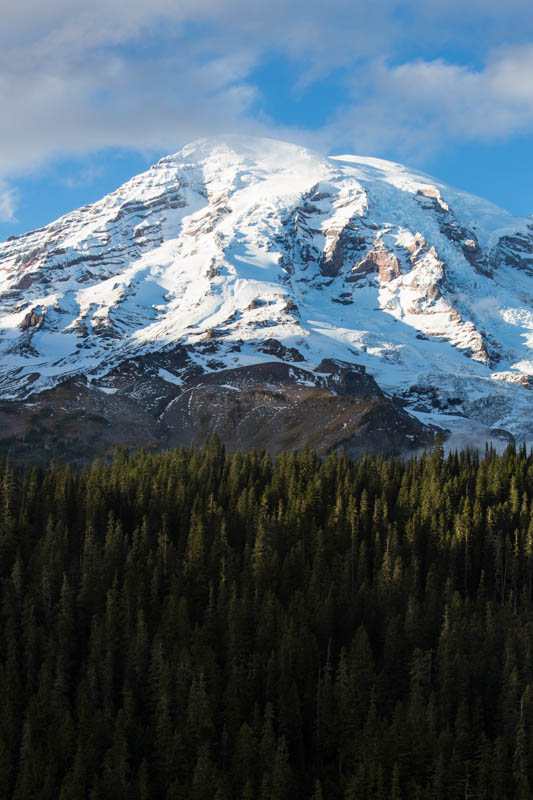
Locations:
(430, 197)
(347, 379)
(515, 251)
(274, 348)
(379, 261)
(514, 377)
(342, 247)
(31, 320)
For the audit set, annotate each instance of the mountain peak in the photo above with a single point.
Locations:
(256, 148)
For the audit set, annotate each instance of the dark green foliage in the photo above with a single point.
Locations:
(198, 625)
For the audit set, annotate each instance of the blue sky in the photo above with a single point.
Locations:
(92, 92)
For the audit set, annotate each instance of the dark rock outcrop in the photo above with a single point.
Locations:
(273, 405)
(274, 348)
(32, 320)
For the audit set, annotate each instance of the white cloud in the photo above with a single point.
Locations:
(421, 105)
(8, 202)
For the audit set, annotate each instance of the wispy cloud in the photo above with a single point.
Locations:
(8, 202)
(422, 105)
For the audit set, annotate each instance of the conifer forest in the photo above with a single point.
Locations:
(199, 625)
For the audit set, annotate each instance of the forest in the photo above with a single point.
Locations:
(204, 625)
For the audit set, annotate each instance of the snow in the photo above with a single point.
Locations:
(105, 389)
(169, 377)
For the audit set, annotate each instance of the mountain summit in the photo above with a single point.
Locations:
(239, 267)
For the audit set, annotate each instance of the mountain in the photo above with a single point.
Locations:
(254, 288)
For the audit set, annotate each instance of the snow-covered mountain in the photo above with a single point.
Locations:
(252, 251)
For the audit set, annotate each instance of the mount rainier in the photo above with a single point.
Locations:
(278, 297)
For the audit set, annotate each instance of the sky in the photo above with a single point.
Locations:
(93, 92)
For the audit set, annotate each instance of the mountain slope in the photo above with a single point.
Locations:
(247, 252)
